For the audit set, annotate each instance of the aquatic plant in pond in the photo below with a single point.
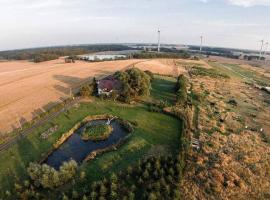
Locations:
(98, 132)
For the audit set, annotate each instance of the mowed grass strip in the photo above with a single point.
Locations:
(163, 88)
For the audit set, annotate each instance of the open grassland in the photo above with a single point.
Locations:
(234, 131)
(154, 134)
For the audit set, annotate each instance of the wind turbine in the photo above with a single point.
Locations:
(261, 49)
(158, 40)
(201, 45)
(265, 48)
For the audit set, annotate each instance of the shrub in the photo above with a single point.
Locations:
(150, 74)
(86, 91)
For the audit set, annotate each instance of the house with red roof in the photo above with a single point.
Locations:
(108, 85)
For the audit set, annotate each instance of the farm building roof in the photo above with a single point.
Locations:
(109, 83)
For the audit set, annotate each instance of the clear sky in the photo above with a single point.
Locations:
(225, 23)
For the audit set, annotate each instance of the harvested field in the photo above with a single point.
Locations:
(170, 66)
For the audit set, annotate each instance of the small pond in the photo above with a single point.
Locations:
(77, 149)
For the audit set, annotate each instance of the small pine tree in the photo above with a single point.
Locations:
(84, 198)
(103, 190)
(145, 174)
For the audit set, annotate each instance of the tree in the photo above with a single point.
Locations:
(134, 83)
(86, 91)
(95, 87)
(103, 190)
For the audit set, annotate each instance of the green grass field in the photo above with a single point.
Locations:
(163, 89)
(156, 133)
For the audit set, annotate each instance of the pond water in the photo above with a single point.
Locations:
(77, 149)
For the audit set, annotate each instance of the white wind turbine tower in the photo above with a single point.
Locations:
(158, 40)
(261, 49)
(265, 48)
(201, 45)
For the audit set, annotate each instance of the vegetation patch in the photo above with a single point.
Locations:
(148, 55)
(98, 132)
(181, 90)
(48, 177)
(213, 73)
(135, 83)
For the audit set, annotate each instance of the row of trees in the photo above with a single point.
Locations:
(152, 55)
(48, 53)
(181, 90)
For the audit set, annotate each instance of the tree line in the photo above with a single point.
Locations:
(50, 53)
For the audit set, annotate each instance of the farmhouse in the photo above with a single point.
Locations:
(108, 85)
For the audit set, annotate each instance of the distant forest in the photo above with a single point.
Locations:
(219, 51)
(51, 53)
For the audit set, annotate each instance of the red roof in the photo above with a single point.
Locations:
(109, 83)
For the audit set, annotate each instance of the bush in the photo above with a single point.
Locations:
(86, 91)
(150, 74)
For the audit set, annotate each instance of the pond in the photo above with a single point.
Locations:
(77, 149)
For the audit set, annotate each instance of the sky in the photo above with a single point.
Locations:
(223, 23)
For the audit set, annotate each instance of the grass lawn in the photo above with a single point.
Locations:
(153, 130)
(163, 88)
